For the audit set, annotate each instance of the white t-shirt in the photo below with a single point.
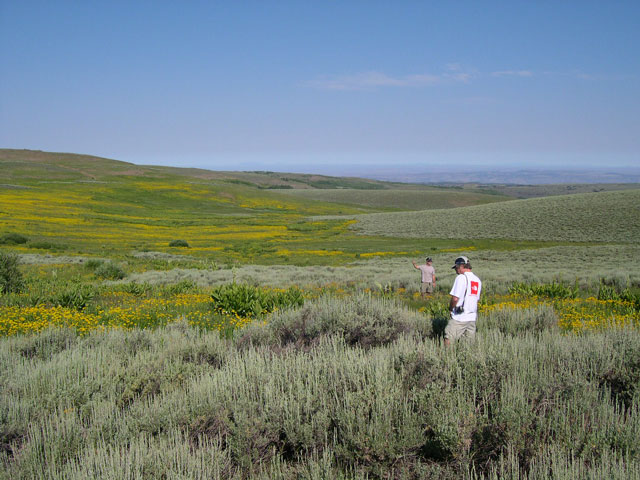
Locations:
(467, 288)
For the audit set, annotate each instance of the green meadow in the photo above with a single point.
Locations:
(603, 217)
(159, 322)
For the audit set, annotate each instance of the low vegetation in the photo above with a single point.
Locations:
(13, 239)
(362, 320)
(110, 271)
(607, 217)
(427, 198)
(11, 279)
(179, 243)
(529, 401)
(249, 301)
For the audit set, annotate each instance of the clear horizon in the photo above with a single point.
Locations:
(297, 86)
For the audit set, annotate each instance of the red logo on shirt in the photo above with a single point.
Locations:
(474, 288)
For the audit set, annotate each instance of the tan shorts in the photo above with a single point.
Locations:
(456, 330)
(426, 287)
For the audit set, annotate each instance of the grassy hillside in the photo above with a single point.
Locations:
(427, 198)
(592, 217)
(536, 191)
(137, 213)
(32, 166)
(76, 204)
(79, 204)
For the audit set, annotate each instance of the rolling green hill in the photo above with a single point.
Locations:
(29, 166)
(547, 190)
(426, 198)
(79, 204)
(607, 217)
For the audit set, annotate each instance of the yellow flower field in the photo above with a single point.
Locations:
(575, 315)
(121, 309)
(126, 311)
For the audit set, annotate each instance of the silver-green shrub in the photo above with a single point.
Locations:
(514, 321)
(110, 271)
(180, 403)
(362, 319)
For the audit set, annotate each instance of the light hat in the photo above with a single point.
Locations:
(460, 261)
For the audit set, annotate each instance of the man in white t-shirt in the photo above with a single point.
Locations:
(428, 279)
(463, 306)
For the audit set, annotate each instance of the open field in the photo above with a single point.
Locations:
(619, 264)
(394, 199)
(82, 205)
(604, 217)
(536, 191)
(288, 339)
(450, 196)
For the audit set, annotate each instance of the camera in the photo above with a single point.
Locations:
(457, 310)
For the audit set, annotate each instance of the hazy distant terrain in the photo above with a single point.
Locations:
(539, 176)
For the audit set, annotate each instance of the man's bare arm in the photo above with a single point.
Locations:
(453, 303)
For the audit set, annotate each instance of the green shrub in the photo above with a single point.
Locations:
(608, 292)
(93, 264)
(76, 296)
(137, 289)
(549, 290)
(13, 239)
(184, 286)
(44, 245)
(110, 271)
(179, 243)
(11, 279)
(249, 301)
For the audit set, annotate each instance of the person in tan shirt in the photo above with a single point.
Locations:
(428, 280)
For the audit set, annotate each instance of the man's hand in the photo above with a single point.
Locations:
(453, 303)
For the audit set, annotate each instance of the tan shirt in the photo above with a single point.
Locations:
(427, 273)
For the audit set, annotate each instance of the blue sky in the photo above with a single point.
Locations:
(331, 86)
